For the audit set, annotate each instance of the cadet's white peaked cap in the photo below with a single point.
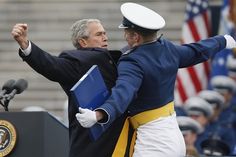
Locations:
(138, 15)
(212, 97)
(187, 124)
(198, 106)
(221, 83)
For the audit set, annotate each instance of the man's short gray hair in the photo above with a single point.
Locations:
(80, 30)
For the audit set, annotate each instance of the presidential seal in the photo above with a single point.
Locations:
(7, 137)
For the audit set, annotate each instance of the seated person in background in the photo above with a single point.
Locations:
(190, 128)
(231, 66)
(198, 109)
(225, 132)
(201, 111)
(215, 99)
(226, 86)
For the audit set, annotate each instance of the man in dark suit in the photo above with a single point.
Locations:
(90, 40)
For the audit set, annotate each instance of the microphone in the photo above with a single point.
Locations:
(7, 87)
(18, 87)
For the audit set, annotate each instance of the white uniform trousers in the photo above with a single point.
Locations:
(160, 138)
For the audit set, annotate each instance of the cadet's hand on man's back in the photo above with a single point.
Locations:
(19, 33)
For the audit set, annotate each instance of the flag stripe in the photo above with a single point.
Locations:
(206, 16)
(193, 30)
(200, 24)
(181, 91)
(186, 35)
(194, 78)
(207, 69)
(186, 82)
(200, 70)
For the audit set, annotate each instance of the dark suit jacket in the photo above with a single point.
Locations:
(67, 69)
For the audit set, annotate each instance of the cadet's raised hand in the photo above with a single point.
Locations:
(230, 42)
(19, 33)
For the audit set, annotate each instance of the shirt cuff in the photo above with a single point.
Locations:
(26, 51)
(107, 116)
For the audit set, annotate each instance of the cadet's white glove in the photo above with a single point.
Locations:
(87, 118)
(230, 42)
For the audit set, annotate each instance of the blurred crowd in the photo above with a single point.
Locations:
(208, 120)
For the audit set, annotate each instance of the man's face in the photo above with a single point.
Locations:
(97, 36)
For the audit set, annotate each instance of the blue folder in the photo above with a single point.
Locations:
(91, 92)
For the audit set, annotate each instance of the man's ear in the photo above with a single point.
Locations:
(82, 42)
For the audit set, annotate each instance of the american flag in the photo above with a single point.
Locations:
(197, 26)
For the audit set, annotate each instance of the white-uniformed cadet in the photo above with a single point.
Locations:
(190, 128)
(145, 84)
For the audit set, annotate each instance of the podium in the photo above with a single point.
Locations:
(38, 134)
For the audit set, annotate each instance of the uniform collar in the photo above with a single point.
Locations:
(149, 42)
